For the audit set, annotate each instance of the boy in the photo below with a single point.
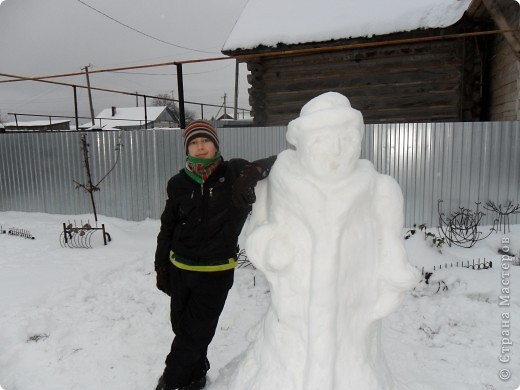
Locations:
(207, 205)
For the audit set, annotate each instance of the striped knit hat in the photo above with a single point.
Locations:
(200, 128)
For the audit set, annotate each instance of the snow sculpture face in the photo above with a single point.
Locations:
(327, 136)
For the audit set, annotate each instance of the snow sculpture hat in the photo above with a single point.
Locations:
(330, 110)
(200, 128)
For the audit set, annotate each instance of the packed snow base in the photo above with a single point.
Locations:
(88, 319)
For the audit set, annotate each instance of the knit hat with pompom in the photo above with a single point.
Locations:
(200, 128)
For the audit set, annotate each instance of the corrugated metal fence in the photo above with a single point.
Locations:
(461, 163)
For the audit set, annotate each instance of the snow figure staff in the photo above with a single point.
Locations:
(327, 232)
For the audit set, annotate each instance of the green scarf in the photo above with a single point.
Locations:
(199, 169)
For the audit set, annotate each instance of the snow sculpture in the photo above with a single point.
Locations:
(327, 232)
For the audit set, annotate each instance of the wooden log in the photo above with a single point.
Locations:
(377, 82)
(501, 21)
(453, 48)
(434, 114)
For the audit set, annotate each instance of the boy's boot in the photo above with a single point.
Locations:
(197, 384)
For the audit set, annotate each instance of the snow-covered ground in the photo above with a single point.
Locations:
(93, 319)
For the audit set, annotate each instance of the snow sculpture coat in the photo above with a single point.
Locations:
(326, 231)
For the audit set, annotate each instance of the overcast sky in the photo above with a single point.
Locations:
(48, 37)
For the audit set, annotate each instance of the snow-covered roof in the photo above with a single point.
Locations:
(39, 123)
(126, 117)
(269, 22)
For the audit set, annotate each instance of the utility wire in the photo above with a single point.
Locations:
(40, 78)
(19, 77)
(245, 57)
(143, 33)
(174, 74)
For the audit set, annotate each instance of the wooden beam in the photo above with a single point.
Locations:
(503, 24)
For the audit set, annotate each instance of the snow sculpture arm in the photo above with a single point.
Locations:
(269, 246)
(394, 273)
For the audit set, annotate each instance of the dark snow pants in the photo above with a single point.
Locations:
(197, 300)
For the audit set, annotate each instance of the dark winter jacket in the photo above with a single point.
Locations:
(200, 224)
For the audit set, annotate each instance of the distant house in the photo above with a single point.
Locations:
(40, 125)
(405, 61)
(134, 118)
(225, 116)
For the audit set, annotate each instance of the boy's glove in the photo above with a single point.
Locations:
(163, 279)
(243, 193)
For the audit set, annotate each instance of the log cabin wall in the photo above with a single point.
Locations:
(504, 71)
(431, 81)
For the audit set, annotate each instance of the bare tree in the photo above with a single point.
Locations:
(90, 187)
(165, 99)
